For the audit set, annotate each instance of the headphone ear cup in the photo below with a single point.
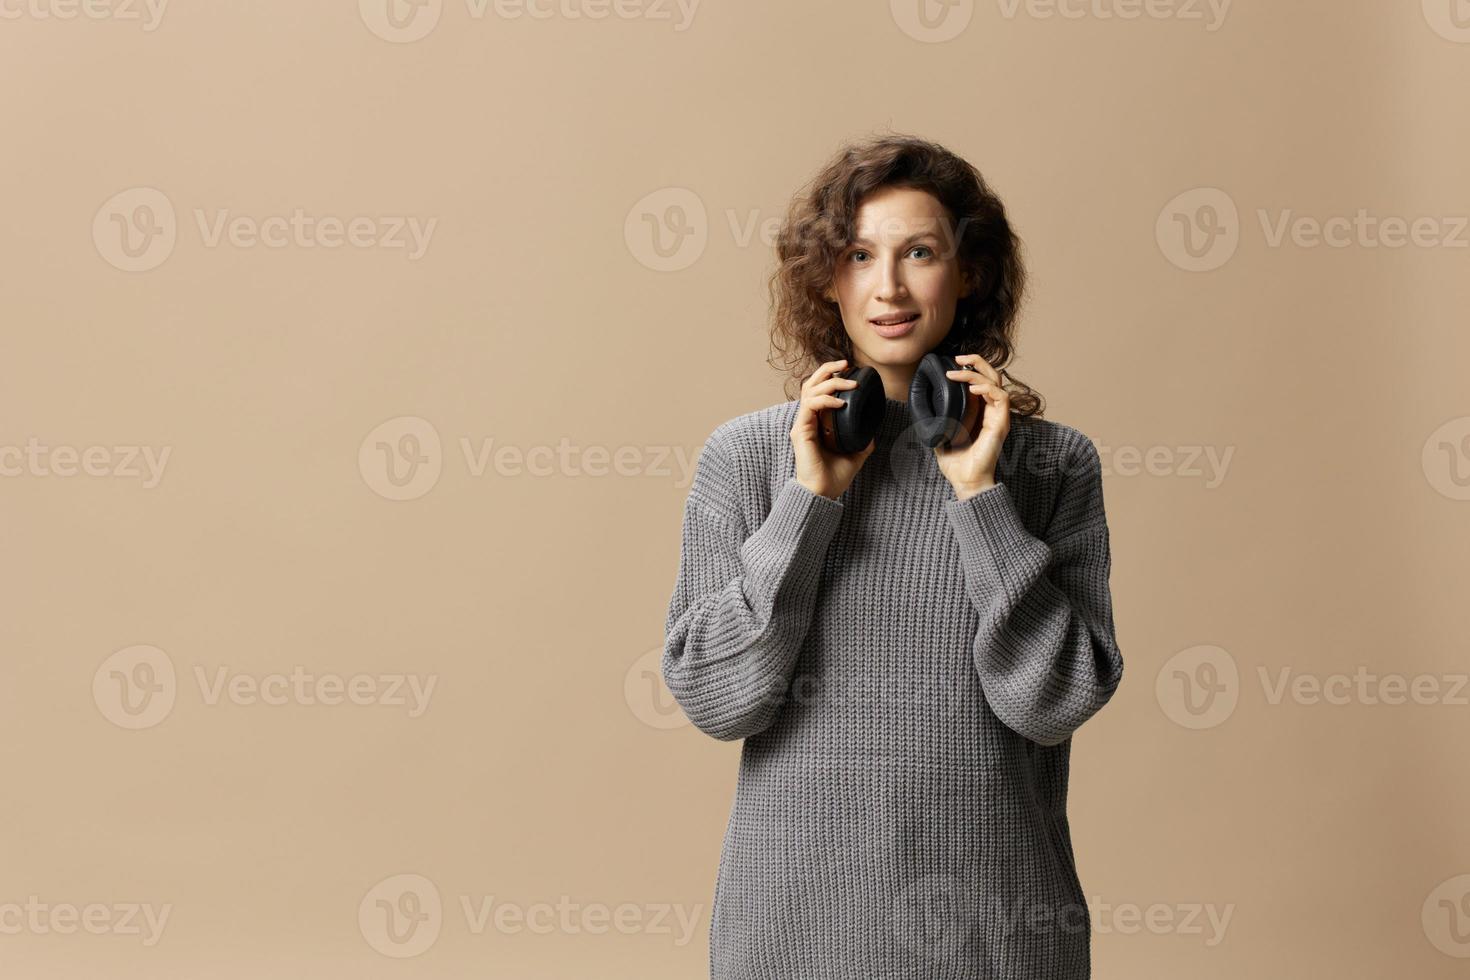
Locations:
(850, 428)
(937, 401)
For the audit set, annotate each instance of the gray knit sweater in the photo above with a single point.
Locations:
(906, 670)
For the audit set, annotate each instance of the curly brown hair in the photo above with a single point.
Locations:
(806, 328)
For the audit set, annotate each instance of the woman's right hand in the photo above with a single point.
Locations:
(817, 468)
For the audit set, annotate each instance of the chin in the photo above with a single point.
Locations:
(905, 349)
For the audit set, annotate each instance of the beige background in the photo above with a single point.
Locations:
(546, 766)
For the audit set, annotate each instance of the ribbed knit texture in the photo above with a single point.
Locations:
(906, 670)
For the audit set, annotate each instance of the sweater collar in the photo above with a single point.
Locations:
(897, 417)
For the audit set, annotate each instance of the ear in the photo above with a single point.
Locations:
(969, 284)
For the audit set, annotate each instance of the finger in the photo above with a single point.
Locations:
(832, 383)
(815, 402)
(807, 408)
(826, 369)
(817, 398)
(993, 394)
(979, 364)
(971, 377)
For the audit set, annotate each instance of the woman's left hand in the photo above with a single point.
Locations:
(969, 463)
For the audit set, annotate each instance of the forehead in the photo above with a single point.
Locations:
(894, 214)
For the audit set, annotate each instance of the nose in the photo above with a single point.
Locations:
(890, 282)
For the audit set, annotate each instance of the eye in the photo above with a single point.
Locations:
(925, 248)
(855, 253)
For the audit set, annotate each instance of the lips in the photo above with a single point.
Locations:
(894, 324)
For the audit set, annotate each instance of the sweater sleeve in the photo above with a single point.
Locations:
(1046, 650)
(743, 600)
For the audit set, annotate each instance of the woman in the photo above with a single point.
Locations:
(905, 643)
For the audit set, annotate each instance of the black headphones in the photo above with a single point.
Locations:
(937, 402)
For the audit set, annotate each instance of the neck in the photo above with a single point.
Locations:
(896, 378)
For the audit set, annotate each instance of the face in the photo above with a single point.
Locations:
(901, 263)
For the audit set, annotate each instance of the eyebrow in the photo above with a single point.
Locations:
(912, 238)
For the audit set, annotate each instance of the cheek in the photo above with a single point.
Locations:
(855, 278)
(939, 281)
(844, 287)
(937, 292)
